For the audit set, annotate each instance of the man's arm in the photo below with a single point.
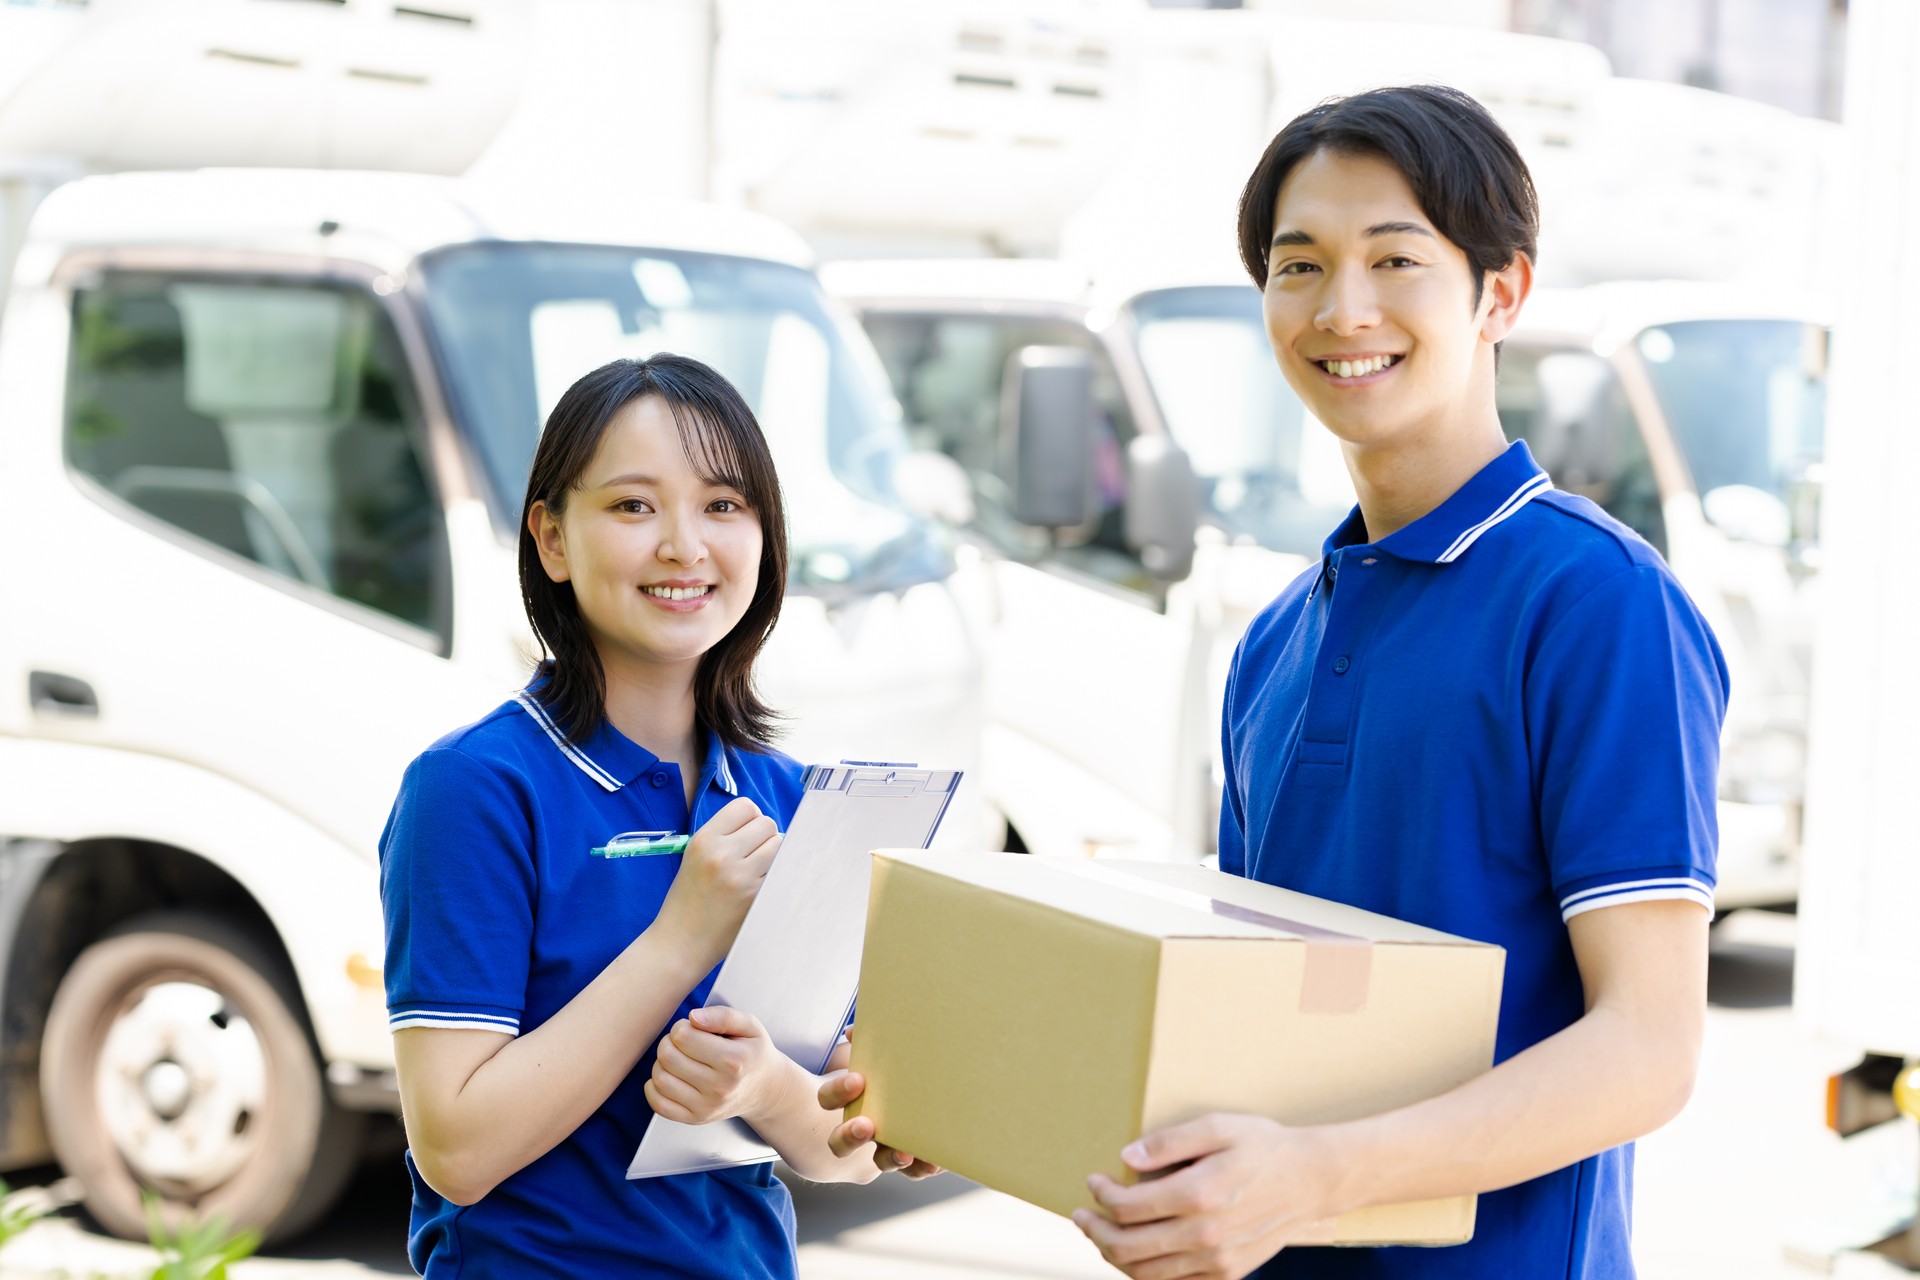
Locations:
(1624, 1069)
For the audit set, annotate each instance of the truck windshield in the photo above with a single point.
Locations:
(1746, 398)
(1272, 475)
(515, 324)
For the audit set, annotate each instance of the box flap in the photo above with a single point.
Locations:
(1285, 903)
(1165, 901)
(1119, 902)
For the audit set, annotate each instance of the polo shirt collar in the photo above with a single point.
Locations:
(612, 759)
(1443, 535)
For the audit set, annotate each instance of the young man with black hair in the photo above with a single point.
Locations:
(1489, 709)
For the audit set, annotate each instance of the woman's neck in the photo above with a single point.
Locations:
(654, 706)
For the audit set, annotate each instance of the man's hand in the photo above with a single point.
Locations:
(841, 1088)
(1232, 1191)
(715, 1064)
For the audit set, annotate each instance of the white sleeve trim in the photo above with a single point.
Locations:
(1617, 895)
(453, 1021)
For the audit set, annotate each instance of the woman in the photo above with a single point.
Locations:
(534, 955)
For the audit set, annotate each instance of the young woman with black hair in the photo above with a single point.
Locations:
(549, 949)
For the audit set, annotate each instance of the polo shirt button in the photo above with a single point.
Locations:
(1340, 665)
(659, 779)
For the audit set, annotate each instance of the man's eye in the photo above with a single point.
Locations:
(1399, 260)
(1295, 268)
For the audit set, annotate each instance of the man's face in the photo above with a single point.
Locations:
(1370, 310)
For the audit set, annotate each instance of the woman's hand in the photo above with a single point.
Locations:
(838, 1090)
(715, 1064)
(719, 875)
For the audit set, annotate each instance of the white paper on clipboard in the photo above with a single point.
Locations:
(795, 964)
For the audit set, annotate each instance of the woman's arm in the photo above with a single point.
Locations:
(480, 1106)
(720, 1063)
(1622, 1070)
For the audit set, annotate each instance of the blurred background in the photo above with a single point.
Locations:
(294, 283)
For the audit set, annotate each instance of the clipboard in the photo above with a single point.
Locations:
(795, 963)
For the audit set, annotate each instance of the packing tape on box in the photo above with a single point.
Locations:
(1339, 965)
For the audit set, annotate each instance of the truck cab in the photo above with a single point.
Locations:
(1211, 490)
(266, 435)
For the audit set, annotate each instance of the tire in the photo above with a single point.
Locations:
(177, 1060)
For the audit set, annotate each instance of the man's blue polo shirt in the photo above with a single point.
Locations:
(497, 915)
(1501, 716)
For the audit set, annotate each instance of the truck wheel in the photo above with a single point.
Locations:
(176, 1059)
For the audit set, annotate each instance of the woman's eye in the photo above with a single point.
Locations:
(727, 506)
(631, 506)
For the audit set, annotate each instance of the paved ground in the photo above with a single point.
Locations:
(1723, 1193)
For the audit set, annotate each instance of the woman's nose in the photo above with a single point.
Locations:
(680, 539)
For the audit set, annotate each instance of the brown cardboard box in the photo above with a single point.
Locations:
(1022, 1019)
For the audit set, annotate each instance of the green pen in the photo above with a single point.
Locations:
(642, 844)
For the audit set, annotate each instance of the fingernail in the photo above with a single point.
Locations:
(1134, 1153)
(1080, 1217)
(901, 1157)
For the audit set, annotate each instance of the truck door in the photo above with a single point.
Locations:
(1086, 670)
(242, 563)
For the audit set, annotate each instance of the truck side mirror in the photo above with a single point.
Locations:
(1163, 506)
(1046, 435)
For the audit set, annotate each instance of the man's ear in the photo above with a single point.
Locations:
(548, 539)
(1505, 293)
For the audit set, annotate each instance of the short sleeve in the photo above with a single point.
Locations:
(457, 890)
(1232, 840)
(1624, 701)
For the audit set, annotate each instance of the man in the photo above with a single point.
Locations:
(1490, 709)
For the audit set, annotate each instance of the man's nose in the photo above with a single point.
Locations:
(1347, 304)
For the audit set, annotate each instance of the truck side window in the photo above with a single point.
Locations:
(947, 370)
(271, 419)
(1569, 407)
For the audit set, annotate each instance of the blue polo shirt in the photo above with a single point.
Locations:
(1497, 718)
(497, 915)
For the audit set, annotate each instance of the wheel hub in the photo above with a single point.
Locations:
(181, 1082)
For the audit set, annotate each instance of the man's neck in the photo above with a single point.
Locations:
(1400, 482)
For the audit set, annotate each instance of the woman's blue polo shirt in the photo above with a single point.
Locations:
(497, 915)
(1501, 716)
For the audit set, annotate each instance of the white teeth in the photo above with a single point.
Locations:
(676, 593)
(1359, 368)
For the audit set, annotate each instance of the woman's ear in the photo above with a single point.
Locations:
(548, 539)
(1505, 293)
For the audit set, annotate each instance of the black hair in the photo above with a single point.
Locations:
(1464, 170)
(725, 445)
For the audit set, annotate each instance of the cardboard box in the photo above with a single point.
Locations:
(1022, 1019)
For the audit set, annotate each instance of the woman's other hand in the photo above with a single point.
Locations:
(715, 1064)
(836, 1092)
(719, 875)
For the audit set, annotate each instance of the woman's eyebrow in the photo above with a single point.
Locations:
(634, 477)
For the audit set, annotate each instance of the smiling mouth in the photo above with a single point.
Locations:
(1359, 368)
(679, 593)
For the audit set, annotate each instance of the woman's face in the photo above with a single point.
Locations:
(663, 563)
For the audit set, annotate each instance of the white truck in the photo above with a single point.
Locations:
(1858, 953)
(263, 437)
(1691, 412)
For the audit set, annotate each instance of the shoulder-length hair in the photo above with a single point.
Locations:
(724, 445)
